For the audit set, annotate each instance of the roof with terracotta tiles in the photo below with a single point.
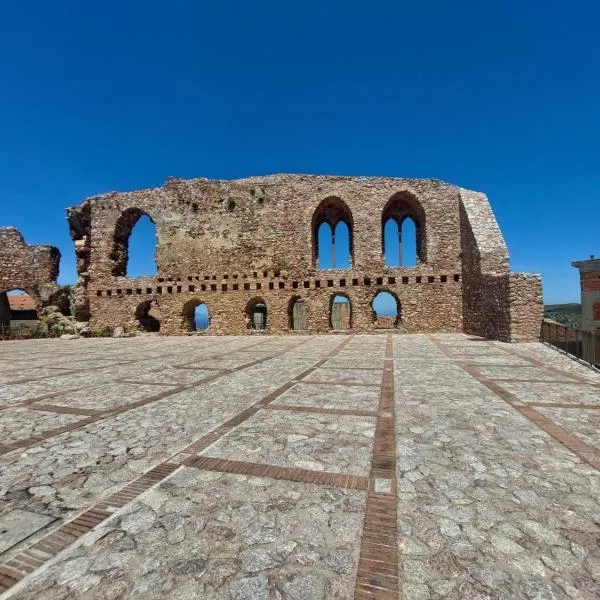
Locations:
(21, 302)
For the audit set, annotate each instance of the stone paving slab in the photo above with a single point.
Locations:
(483, 449)
(554, 393)
(22, 423)
(108, 396)
(217, 536)
(331, 396)
(585, 424)
(363, 376)
(338, 444)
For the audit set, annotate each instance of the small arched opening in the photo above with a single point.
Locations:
(387, 310)
(297, 314)
(256, 314)
(196, 316)
(18, 308)
(332, 234)
(340, 313)
(148, 316)
(403, 231)
(134, 245)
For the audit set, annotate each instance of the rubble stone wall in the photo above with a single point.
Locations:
(33, 269)
(226, 243)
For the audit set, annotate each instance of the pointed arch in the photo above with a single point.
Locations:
(333, 211)
(403, 231)
(129, 220)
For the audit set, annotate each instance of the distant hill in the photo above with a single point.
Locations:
(567, 314)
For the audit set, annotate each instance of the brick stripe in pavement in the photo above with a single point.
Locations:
(26, 561)
(103, 414)
(378, 566)
(586, 453)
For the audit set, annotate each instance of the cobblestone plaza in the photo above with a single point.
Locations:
(298, 467)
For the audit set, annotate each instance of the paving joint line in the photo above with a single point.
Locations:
(103, 414)
(19, 566)
(583, 451)
(377, 576)
(541, 365)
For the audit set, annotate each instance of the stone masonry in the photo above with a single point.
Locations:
(33, 269)
(233, 244)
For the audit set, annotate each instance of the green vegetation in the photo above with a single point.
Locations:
(567, 314)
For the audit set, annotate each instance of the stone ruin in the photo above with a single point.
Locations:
(249, 250)
(33, 269)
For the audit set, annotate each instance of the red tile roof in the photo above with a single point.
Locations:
(21, 302)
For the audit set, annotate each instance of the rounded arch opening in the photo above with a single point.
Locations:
(134, 245)
(403, 231)
(297, 314)
(18, 307)
(340, 312)
(333, 246)
(147, 316)
(256, 314)
(196, 316)
(386, 310)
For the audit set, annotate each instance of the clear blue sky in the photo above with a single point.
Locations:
(502, 97)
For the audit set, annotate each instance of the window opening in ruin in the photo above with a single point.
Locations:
(332, 235)
(134, 245)
(340, 313)
(596, 311)
(386, 310)
(256, 313)
(201, 317)
(17, 309)
(403, 231)
(400, 243)
(146, 315)
(325, 245)
(298, 314)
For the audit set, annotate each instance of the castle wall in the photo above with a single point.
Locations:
(227, 242)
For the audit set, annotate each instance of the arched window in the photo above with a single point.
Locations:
(256, 313)
(325, 244)
(403, 231)
(201, 317)
(134, 245)
(196, 316)
(387, 310)
(297, 314)
(17, 308)
(147, 316)
(332, 228)
(340, 313)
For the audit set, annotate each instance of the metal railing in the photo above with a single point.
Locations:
(584, 345)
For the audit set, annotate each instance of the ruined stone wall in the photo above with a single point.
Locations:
(425, 306)
(33, 269)
(526, 307)
(227, 242)
(496, 303)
